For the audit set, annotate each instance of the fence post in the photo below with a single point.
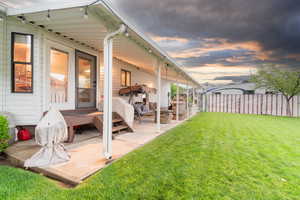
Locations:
(292, 112)
(276, 104)
(227, 103)
(235, 104)
(298, 106)
(239, 104)
(272, 104)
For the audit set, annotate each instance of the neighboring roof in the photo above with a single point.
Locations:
(115, 14)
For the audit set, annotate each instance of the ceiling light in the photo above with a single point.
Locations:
(150, 51)
(126, 34)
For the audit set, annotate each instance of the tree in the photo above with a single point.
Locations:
(174, 90)
(278, 80)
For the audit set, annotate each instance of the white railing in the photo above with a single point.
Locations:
(58, 95)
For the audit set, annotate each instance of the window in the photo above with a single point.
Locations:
(22, 62)
(59, 61)
(125, 78)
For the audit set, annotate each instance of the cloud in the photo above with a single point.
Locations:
(272, 23)
(295, 56)
(211, 72)
(217, 45)
(162, 39)
(224, 32)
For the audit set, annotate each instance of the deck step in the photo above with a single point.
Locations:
(119, 128)
(98, 123)
(117, 120)
(118, 124)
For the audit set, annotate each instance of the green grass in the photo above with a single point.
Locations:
(213, 156)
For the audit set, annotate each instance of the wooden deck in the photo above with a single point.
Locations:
(86, 151)
(79, 117)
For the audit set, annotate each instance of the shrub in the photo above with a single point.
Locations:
(4, 135)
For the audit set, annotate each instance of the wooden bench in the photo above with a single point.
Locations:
(79, 117)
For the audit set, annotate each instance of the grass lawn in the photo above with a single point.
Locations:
(212, 156)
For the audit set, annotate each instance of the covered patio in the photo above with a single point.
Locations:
(86, 151)
(99, 27)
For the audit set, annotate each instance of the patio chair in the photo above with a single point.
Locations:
(141, 110)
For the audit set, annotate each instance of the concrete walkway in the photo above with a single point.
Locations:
(86, 151)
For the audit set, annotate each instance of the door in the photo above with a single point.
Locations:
(60, 72)
(85, 80)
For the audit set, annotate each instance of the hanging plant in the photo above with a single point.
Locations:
(4, 135)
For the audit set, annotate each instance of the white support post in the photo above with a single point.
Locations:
(187, 101)
(193, 96)
(158, 73)
(107, 109)
(177, 101)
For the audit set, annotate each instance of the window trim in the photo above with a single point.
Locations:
(126, 71)
(13, 63)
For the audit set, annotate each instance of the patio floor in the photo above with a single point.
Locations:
(86, 151)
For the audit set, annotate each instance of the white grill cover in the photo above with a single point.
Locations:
(50, 132)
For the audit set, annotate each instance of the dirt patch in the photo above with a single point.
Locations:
(3, 160)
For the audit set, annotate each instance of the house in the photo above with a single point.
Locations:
(74, 56)
(235, 88)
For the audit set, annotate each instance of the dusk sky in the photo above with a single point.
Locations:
(218, 41)
(221, 41)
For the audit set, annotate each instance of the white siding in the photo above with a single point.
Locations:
(28, 108)
(2, 61)
(138, 76)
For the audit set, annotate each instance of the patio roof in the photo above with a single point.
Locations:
(66, 20)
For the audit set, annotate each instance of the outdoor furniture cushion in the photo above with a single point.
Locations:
(124, 109)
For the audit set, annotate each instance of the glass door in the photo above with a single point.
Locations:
(59, 82)
(59, 70)
(85, 80)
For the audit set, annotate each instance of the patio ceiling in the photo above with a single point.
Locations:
(71, 24)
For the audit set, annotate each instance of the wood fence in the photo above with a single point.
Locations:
(260, 104)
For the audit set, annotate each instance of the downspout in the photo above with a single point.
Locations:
(107, 110)
(158, 100)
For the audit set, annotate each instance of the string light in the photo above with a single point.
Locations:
(86, 15)
(48, 16)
